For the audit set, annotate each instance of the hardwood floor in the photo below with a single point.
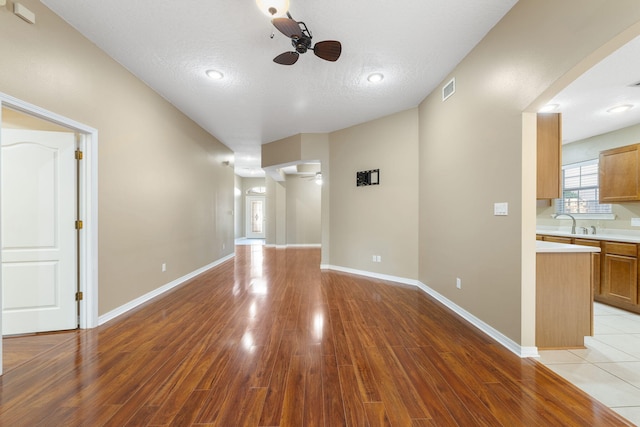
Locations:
(268, 339)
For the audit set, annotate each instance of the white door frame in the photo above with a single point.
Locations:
(88, 207)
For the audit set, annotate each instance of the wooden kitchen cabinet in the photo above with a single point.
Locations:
(595, 263)
(549, 149)
(614, 270)
(563, 300)
(619, 174)
(557, 239)
(620, 274)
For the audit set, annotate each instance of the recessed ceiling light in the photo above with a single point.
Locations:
(375, 77)
(548, 108)
(214, 74)
(620, 108)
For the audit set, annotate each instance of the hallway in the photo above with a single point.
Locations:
(269, 339)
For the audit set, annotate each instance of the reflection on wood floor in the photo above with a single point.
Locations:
(268, 339)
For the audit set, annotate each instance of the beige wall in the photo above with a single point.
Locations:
(381, 219)
(588, 149)
(281, 152)
(471, 152)
(164, 195)
(303, 211)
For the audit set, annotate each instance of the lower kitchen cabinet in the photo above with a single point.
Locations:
(595, 263)
(614, 271)
(620, 275)
(564, 300)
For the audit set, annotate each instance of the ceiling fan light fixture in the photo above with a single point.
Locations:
(620, 108)
(214, 74)
(375, 77)
(273, 8)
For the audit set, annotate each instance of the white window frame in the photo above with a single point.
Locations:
(605, 211)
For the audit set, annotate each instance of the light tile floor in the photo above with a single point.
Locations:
(609, 368)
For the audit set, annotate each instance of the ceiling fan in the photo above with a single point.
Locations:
(316, 177)
(300, 36)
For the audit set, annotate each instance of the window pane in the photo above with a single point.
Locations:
(580, 190)
(573, 182)
(589, 181)
(572, 172)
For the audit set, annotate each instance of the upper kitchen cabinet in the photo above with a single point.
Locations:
(549, 156)
(619, 174)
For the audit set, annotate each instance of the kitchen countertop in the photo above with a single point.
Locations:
(628, 236)
(552, 247)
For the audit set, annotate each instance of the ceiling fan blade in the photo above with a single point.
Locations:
(329, 50)
(287, 58)
(288, 27)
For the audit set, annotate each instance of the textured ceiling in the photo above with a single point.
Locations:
(170, 44)
(415, 43)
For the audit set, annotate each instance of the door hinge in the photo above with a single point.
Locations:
(79, 225)
(79, 296)
(79, 155)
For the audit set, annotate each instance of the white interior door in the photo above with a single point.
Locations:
(255, 217)
(39, 272)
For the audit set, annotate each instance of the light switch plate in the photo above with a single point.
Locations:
(501, 209)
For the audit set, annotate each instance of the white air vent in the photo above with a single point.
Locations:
(449, 89)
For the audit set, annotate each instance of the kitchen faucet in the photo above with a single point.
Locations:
(573, 226)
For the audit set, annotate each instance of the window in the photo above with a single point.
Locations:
(580, 190)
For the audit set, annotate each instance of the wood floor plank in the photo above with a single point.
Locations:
(272, 410)
(293, 402)
(342, 353)
(332, 393)
(391, 396)
(480, 412)
(353, 405)
(269, 339)
(376, 414)
(433, 392)
(362, 365)
(314, 412)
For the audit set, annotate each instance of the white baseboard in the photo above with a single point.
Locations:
(484, 327)
(159, 291)
(489, 330)
(396, 279)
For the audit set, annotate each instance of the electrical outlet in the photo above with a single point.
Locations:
(458, 283)
(164, 267)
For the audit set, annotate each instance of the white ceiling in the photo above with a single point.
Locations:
(170, 44)
(415, 43)
(584, 103)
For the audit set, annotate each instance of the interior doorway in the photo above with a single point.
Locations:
(255, 217)
(17, 114)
